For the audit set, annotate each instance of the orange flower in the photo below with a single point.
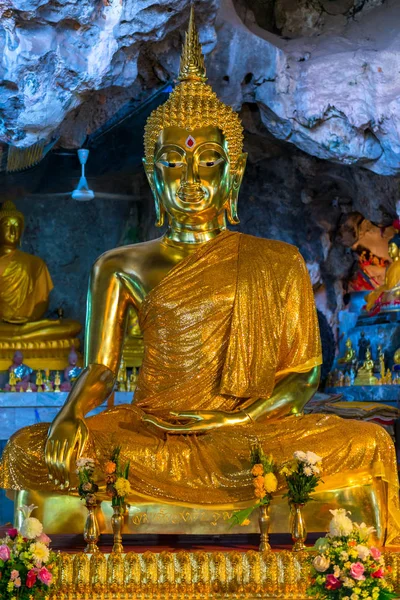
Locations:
(257, 470)
(352, 543)
(110, 467)
(258, 482)
(259, 493)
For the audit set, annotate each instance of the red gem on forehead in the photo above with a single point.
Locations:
(190, 142)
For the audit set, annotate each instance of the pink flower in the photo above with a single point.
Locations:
(31, 578)
(378, 574)
(375, 553)
(4, 552)
(332, 583)
(44, 539)
(45, 576)
(357, 571)
(12, 532)
(14, 574)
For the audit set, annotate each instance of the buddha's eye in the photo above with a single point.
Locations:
(170, 164)
(210, 158)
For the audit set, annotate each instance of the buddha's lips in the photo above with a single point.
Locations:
(190, 195)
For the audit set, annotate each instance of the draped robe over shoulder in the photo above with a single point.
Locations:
(25, 285)
(219, 330)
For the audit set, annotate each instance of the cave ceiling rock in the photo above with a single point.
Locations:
(55, 55)
(336, 97)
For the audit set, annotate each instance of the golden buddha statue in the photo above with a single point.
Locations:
(387, 296)
(231, 349)
(350, 355)
(365, 375)
(25, 285)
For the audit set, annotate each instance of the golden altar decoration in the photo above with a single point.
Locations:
(231, 350)
(387, 296)
(25, 285)
(183, 574)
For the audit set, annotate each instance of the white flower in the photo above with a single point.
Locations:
(301, 456)
(315, 470)
(348, 582)
(362, 551)
(344, 556)
(363, 530)
(40, 552)
(312, 458)
(340, 525)
(307, 471)
(85, 463)
(321, 563)
(31, 528)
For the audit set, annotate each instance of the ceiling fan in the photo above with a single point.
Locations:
(82, 192)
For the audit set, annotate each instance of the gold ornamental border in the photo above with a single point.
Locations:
(175, 575)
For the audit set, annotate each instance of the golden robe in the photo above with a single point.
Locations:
(220, 329)
(25, 285)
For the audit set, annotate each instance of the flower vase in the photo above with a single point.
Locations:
(264, 521)
(91, 532)
(298, 527)
(117, 522)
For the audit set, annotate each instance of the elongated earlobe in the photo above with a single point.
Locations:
(231, 209)
(160, 212)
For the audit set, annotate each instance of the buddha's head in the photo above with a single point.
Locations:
(11, 225)
(194, 157)
(18, 357)
(394, 247)
(72, 357)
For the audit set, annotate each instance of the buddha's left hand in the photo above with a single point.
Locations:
(198, 422)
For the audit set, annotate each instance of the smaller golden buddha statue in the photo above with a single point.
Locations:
(132, 380)
(365, 375)
(387, 296)
(122, 377)
(25, 285)
(350, 354)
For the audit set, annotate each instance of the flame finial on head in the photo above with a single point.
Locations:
(192, 66)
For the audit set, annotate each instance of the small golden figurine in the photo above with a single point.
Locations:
(381, 359)
(350, 354)
(122, 377)
(133, 380)
(388, 379)
(57, 381)
(29, 388)
(39, 381)
(12, 381)
(365, 375)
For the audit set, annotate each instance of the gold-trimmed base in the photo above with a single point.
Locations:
(183, 574)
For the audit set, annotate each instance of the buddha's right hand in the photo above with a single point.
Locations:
(67, 433)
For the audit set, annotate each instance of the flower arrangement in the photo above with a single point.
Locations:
(118, 486)
(347, 567)
(26, 563)
(265, 484)
(302, 474)
(87, 488)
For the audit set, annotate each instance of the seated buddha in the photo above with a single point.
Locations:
(387, 296)
(231, 345)
(25, 285)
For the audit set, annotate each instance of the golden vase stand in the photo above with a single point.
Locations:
(174, 575)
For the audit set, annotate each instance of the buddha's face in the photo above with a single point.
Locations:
(192, 176)
(10, 231)
(18, 358)
(394, 251)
